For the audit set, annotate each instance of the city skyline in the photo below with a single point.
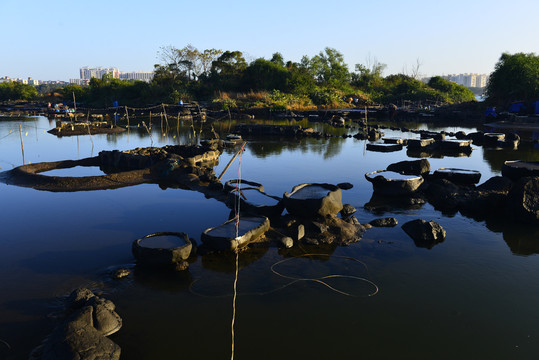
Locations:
(52, 40)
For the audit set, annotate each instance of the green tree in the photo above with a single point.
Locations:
(262, 74)
(227, 71)
(17, 91)
(368, 77)
(515, 77)
(277, 58)
(454, 92)
(329, 68)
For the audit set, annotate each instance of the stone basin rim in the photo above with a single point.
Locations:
(182, 236)
(408, 178)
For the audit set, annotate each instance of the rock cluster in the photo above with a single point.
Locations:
(83, 333)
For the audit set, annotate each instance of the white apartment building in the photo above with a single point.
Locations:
(137, 75)
(79, 81)
(87, 73)
(469, 80)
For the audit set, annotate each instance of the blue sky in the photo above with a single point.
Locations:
(51, 40)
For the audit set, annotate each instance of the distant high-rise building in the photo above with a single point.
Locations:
(469, 80)
(137, 75)
(86, 73)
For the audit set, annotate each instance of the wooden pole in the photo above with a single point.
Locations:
(22, 145)
(127, 115)
(231, 160)
(165, 112)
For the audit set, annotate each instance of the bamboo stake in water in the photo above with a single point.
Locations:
(231, 160)
(166, 118)
(127, 115)
(22, 145)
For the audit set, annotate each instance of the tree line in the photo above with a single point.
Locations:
(321, 80)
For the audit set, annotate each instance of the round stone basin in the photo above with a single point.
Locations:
(227, 237)
(231, 185)
(228, 229)
(461, 176)
(390, 176)
(256, 201)
(258, 198)
(313, 200)
(311, 191)
(162, 242)
(162, 249)
(386, 147)
(393, 183)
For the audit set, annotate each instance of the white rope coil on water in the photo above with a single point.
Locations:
(297, 279)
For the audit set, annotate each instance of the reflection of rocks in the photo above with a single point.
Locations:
(162, 279)
(521, 238)
(83, 333)
(523, 199)
(425, 234)
(381, 203)
(225, 261)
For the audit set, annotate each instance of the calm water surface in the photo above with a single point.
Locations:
(473, 296)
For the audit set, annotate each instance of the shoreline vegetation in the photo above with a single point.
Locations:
(223, 81)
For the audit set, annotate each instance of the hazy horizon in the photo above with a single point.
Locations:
(53, 40)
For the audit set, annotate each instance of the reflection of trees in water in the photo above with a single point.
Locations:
(496, 157)
(328, 148)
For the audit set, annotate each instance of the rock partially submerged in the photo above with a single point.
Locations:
(523, 199)
(384, 222)
(311, 200)
(83, 333)
(257, 202)
(162, 249)
(459, 176)
(518, 169)
(425, 234)
(413, 167)
(393, 183)
(235, 233)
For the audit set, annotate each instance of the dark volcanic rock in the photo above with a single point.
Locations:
(384, 222)
(414, 167)
(82, 335)
(425, 234)
(347, 210)
(496, 183)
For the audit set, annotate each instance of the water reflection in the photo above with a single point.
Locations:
(496, 157)
(522, 239)
(162, 280)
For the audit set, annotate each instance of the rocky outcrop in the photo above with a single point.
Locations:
(83, 333)
(425, 234)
